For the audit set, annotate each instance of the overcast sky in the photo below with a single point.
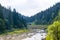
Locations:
(28, 7)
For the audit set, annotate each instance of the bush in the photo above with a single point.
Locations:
(54, 31)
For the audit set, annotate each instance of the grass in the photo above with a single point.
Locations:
(38, 26)
(16, 31)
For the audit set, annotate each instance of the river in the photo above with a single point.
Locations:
(36, 34)
(39, 35)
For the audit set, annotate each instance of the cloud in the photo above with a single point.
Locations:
(29, 7)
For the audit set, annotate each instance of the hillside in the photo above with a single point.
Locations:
(45, 17)
(11, 20)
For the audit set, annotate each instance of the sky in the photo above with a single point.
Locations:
(28, 7)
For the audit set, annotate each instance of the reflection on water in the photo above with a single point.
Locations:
(38, 36)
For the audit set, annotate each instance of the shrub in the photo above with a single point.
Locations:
(54, 31)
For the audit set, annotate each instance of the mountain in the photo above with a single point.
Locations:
(10, 20)
(46, 17)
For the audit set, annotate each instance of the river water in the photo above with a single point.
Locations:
(39, 35)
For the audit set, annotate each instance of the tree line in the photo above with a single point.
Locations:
(54, 29)
(45, 17)
(10, 20)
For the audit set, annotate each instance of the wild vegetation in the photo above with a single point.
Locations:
(46, 17)
(11, 20)
(54, 29)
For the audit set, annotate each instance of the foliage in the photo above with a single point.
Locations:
(46, 17)
(54, 31)
(10, 20)
(18, 31)
(2, 21)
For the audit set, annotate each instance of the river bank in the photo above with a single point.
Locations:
(32, 35)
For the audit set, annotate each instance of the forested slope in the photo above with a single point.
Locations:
(54, 29)
(10, 20)
(46, 17)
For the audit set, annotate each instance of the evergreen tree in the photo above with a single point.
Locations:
(2, 21)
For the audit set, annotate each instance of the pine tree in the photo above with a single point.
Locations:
(2, 21)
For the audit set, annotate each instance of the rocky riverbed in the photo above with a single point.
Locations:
(35, 35)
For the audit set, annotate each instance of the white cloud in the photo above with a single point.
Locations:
(28, 7)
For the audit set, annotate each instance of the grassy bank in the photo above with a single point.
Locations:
(16, 31)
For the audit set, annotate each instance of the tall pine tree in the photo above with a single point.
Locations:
(2, 21)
